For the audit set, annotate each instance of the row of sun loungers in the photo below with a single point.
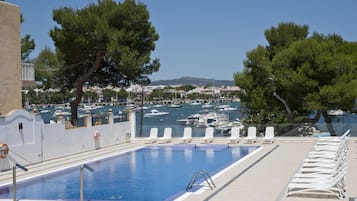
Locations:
(209, 133)
(323, 170)
(252, 135)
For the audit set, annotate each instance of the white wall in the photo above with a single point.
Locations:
(37, 142)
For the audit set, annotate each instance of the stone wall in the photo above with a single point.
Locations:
(10, 57)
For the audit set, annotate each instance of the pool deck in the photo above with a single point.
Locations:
(262, 176)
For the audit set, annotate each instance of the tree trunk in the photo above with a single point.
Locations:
(328, 121)
(75, 104)
(287, 108)
(79, 86)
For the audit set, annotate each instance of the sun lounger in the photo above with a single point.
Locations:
(331, 186)
(167, 137)
(335, 139)
(325, 155)
(333, 150)
(235, 132)
(332, 141)
(208, 138)
(325, 159)
(322, 170)
(318, 174)
(269, 135)
(328, 152)
(334, 164)
(325, 145)
(187, 135)
(252, 135)
(153, 136)
(317, 178)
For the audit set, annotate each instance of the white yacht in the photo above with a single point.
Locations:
(155, 113)
(174, 105)
(207, 105)
(212, 119)
(60, 112)
(336, 112)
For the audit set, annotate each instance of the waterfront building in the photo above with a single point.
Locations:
(10, 57)
(28, 75)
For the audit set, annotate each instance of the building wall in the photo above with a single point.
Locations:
(28, 71)
(28, 75)
(10, 57)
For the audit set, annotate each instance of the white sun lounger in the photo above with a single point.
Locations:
(334, 147)
(235, 132)
(252, 135)
(324, 159)
(269, 135)
(324, 164)
(320, 175)
(335, 139)
(321, 170)
(153, 136)
(187, 135)
(327, 153)
(338, 148)
(331, 142)
(317, 178)
(208, 138)
(167, 137)
(332, 186)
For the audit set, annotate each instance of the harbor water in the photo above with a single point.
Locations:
(144, 124)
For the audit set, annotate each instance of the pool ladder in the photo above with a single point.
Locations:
(205, 175)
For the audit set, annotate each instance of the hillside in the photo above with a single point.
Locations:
(193, 81)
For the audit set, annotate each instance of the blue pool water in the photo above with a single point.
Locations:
(150, 173)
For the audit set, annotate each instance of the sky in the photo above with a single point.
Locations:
(206, 38)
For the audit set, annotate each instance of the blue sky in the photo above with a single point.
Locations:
(205, 38)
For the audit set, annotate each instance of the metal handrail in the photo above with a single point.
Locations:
(81, 188)
(14, 188)
(206, 176)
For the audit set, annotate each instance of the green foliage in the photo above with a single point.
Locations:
(186, 87)
(90, 96)
(109, 95)
(283, 36)
(118, 36)
(47, 64)
(161, 94)
(104, 43)
(27, 46)
(45, 97)
(123, 94)
(295, 76)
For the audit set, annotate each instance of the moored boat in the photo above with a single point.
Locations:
(155, 113)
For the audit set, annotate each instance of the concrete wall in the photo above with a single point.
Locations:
(10, 57)
(31, 141)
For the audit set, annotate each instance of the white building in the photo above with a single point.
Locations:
(28, 74)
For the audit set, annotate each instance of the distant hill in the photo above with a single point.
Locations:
(193, 81)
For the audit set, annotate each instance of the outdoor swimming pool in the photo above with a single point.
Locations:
(149, 173)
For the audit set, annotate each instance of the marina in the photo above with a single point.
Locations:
(221, 116)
